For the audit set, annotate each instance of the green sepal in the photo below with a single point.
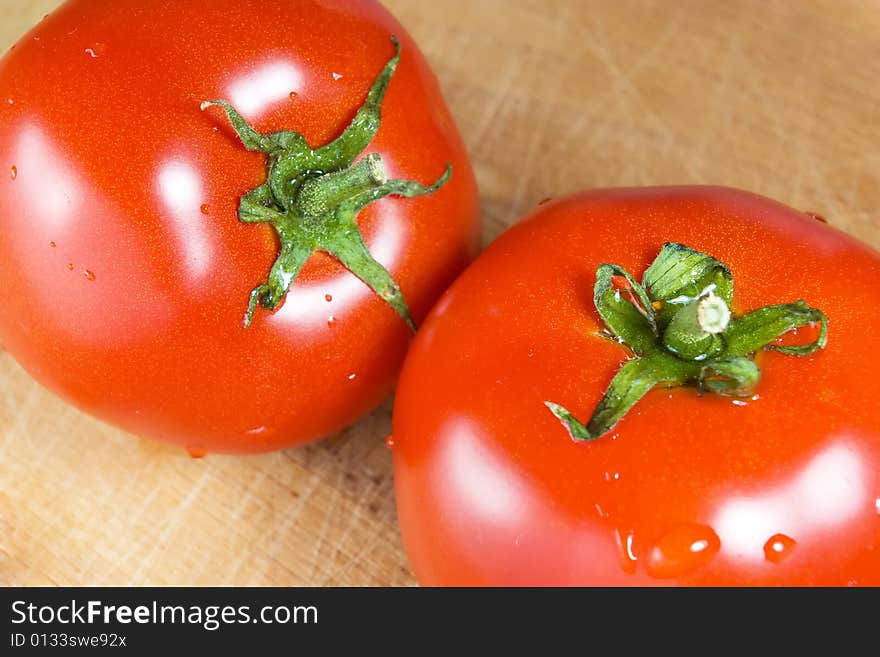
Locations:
(258, 205)
(682, 332)
(633, 326)
(346, 243)
(363, 127)
(312, 197)
(680, 274)
(575, 427)
(250, 138)
(759, 328)
(631, 382)
(732, 375)
(284, 271)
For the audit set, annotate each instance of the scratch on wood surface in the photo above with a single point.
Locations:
(19, 424)
(629, 99)
(524, 173)
(353, 533)
(329, 495)
(170, 525)
(363, 548)
(727, 53)
(126, 554)
(611, 105)
(500, 96)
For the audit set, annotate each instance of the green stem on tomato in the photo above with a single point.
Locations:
(682, 332)
(694, 332)
(312, 197)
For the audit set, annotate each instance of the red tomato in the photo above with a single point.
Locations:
(126, 267)
(780, 487)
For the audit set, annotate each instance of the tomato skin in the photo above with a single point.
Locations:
(783, 489)
(130, 269)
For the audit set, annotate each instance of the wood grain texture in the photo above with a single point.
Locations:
(552, 96)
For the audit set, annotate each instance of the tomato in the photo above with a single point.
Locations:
(139, 227)
(778, 484)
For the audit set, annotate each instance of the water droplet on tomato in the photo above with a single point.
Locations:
(337, 76)
(682, 550)
(197, 452)
(389, 442)
(328, 298)
(13, 172)
(52, 244)
(352, 377)
(817, 217)
(257, 430)
(9, 101)
(331, 321)
(293, 95)
(877, 505)
(628, 558)
(204, 208)
(778, 547)
(90, 275)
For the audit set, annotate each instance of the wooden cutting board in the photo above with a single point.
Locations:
(552, 96)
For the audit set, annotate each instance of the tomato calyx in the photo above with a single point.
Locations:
(678, 325)
(312, 198)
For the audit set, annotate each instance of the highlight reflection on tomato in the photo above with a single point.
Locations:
(780, 487)
(127, 267)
